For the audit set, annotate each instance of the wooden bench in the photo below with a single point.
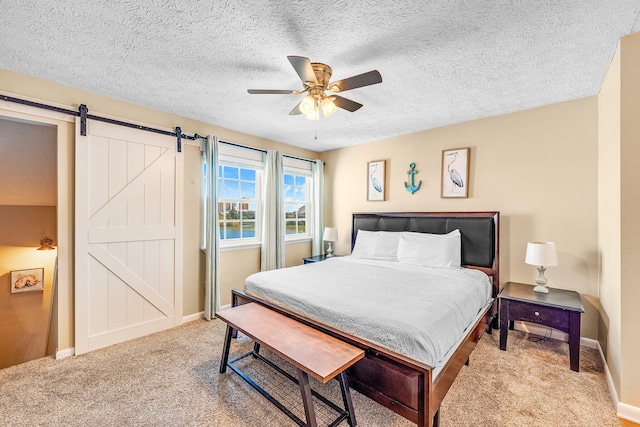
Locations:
(310, 351)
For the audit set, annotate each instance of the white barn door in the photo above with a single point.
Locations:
(128, 280)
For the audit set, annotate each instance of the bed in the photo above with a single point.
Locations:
(407, 381)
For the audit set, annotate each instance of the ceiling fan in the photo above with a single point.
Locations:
(315, 78)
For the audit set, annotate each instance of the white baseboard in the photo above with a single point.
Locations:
(61, 354)
(224, 307)
(192, 317)
(625, 411)
(554, 333)
(628, 412)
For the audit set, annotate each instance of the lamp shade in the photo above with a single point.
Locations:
(541, 253)
(330, 234)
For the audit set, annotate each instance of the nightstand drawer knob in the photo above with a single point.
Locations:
(537, 313)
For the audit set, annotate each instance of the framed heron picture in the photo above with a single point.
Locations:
(455, 173)
(375, 180)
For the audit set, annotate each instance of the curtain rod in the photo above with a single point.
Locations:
(83, 113)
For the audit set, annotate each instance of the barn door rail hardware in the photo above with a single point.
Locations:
(83, 113)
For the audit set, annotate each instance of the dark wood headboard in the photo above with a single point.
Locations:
(480, 233)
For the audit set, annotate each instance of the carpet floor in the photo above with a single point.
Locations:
(171, 379)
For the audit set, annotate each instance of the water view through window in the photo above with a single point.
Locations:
(237, 189)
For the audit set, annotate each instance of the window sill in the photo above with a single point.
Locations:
(239, 247)
(298, 240)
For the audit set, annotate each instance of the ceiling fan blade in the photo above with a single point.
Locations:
(271, 92)
(345, 104)
(304, 69)
(366, 79)
(296, 110)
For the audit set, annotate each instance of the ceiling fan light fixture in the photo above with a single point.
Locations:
(314, 115)
(308, 105)
(328, 107)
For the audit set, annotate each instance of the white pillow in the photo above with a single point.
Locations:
(380, 245)
(430, 250)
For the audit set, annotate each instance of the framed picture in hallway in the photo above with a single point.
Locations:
(455, 173)
(27, 280)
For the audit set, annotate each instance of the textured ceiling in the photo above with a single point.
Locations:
(442, 61)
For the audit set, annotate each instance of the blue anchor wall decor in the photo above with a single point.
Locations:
(412, 174)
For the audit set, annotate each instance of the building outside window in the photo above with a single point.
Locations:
(297, 204)
(238, 202)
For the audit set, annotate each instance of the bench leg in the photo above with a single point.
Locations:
(225, 349)
(307, 401)
(256, 348)
(346, 398)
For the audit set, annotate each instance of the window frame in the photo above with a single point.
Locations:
(241, 163)
(308, 203)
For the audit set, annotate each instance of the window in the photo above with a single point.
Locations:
(297, 204)
(239, 188)
(238, 202)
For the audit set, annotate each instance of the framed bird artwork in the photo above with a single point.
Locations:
(455, 173)
(375, 180)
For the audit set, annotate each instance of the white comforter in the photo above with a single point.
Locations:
(419, 312)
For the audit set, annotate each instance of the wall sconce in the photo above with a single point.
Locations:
(45, 244)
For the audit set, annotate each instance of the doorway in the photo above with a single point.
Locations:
(28, 216)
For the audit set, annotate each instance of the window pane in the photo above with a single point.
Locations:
(248, 174)
(221, 210)
(232, 211)
(290, 211)
(302, 227)
(290, 227)
(288, 179)
(230, 189)
(302, 211)
(301, 180)
(301, 194)
(221, 231)
(247, 190)
(248, 211)
(233, 230)
(288, 193)
(230, 172)
(248, 229)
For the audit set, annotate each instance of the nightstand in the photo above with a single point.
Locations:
(316, 258)
(559, 309)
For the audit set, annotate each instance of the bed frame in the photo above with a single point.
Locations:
(404, 385)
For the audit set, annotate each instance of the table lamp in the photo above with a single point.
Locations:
(330, 235)
(541, 254)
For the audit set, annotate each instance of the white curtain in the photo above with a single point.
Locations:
(317, 172)
(273, 225)
(212, 227)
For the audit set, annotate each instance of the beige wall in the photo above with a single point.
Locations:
(609, 217)
(24, 317)
(630, 213)
(537, 167)
(235, 264)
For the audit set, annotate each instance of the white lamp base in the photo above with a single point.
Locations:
(330, 250)
(541, 281)
(541, 289)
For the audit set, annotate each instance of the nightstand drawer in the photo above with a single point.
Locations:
(527, 312)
